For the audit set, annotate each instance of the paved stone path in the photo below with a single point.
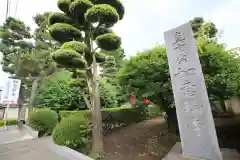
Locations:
(38, 149)
(14, 135)
(27, 150)
(23, 144)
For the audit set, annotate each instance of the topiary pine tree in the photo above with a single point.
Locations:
(76, 28)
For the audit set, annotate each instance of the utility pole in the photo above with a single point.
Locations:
(16, 8)
(8, 9)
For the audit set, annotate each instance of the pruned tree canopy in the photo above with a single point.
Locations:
(203, 29)
(83, 23)
(69, 58)
(109, 41)
(63, 32)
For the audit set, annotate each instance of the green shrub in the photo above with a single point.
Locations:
(154, 111)
(2, 123)
(108, 94)
(43, 120)
(65, 114)
(72, 132)
(117, 117)
(11, 122)
(56, 94)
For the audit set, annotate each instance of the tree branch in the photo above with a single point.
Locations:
(87, 101)
(95, 49)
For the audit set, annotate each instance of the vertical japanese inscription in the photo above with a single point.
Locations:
(188, 89)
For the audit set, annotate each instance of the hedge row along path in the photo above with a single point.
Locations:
(147, 140)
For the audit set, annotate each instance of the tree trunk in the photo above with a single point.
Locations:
(97, 138)
(96, 114)
(22, 109)
(172, 120)
(223, 106)
(33, 95)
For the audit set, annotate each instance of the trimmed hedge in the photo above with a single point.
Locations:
(2, 123)
(10, 122)
(73, 132)
(154, 111)
(43, 120)
(117, 117)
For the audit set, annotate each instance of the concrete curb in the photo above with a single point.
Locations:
(31, 131)
(67, 153)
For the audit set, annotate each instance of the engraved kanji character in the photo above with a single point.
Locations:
(195, 125)
(193, 108)
(179, 41)
(182, 58)
(187, 72)
(188, 88)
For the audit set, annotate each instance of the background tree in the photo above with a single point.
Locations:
(203, 29)
(109, 69)
(206, 34)
(147, 75)
(119, 56)
(15, 49)
(55, 93)
(43, 41)
(43, 46)
(221, 71)
(82, 23)
(24, 59)
(108, 94)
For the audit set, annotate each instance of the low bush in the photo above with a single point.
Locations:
(73, 132)
(11, 122)
(117, 117)
(43, 120)
(154, 111)
(2, 123)
(65, 114)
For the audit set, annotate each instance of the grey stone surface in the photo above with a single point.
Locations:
(176, 154)
(38, 149)
(196, 125)
(12, 134)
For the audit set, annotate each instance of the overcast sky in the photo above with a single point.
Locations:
(146, 20)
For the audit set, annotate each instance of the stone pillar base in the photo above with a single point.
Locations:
(176, 154)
